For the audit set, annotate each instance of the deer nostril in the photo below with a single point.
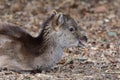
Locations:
(85, 38)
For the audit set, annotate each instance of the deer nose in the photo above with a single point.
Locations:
(84, 38)
(82, 41)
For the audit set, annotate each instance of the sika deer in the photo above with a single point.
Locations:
(20, 51)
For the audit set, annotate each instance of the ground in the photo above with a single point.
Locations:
(100, 19)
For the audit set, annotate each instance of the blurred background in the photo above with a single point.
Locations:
(99, 18)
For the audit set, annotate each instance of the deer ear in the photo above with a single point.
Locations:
(58, 21)
(61, 19)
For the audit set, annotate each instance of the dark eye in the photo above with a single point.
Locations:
(71, 29)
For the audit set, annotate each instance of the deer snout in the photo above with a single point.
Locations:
(82, 41)
(84, 38)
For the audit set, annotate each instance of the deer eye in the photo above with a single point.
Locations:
(71, 29)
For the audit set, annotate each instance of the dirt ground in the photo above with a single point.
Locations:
(100, 60)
